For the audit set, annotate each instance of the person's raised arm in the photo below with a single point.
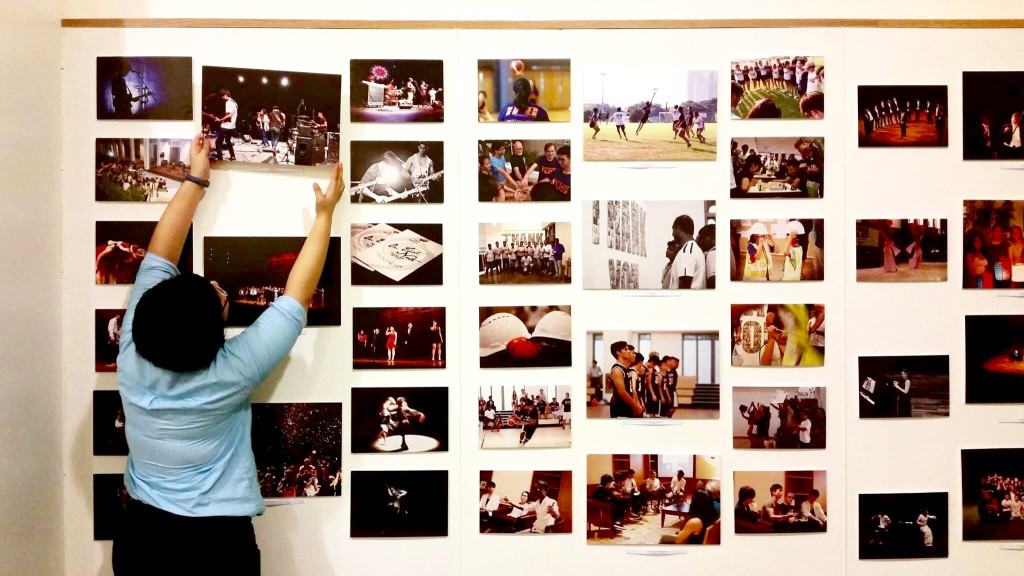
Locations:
(169, 236)
(310, 263)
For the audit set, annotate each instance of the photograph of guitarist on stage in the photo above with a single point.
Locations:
(395, 171)
(143, 88)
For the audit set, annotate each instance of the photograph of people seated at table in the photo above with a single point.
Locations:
(651, 499)
(778, 334)
(783, 167)
(993, 244)
(780, 249)
(772, 417)
(534, 416)
(780, 502)
(993, 492)
(525, 502)
(902, 250)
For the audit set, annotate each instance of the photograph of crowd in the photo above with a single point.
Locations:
(777, 167)
(397, 171)
(778, 87)
(993, 492)
(535, 416)
(525, 336)
(398, 338)
(992, 115)
(907, 116)
(254, 270)
(108, 338)
(902, 250)
(993, 244)
(272, 116)
(903, 525)
(140, 169)
(121, 246)
(399, 504)
(903, 386)
(524, 171)
(109, 499)
(297, 449)
(392, 254)
(397, 91)
(780, 502)
(525, 253)
(771, 417)
(995, 359)
(532, 90)
(525, 502)
(403, 419)
(143, 88)
(781, 249)
(778, 334)
(108, 424)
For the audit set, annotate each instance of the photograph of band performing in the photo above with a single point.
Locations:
(995, 359)
(904, 386)
(993, 104)
(778, 334)
(108, 338)
(993, 493)
(398, 338)
(782, 502)
(399, 504)
(271, 116)
(108, 438)
(399, 419)
(143, 88)
(140, 169)
(778, 417)
(397, 171)
(397, 91)
(525, 502)
(525, 336)
(908, 116)
(774, 250)
(109, 499)
(121, 246)
(902, 250)
(297, 449)
(904, 525)
(535, 416)
(533, 90)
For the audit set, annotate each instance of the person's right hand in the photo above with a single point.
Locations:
(326, 201)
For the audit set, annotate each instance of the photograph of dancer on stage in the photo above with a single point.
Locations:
(143, 88)
(418, 339)
(408, 172)
(399, 504)
(397, 91)
(904, 525)
(399, 419)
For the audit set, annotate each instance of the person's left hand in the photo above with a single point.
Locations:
(199, 157)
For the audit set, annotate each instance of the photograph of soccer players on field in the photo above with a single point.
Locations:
(524, 171)
(534, 416)
(777, 167)
(902, 116)
(906, 250)
(778, 87)
(780, 249)
(778, 334)
(523, 90)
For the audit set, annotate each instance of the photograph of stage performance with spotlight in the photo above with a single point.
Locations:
(786, 417)
(121, 246)
(525, 502)
(272, 116)
(388, 338)
(397, 171)
(143, 88)
(525, 336)
(524, 171)
(992, 115)
(778, 334)
(779, 250)
(903, 386)
(534, 416)
(902, 116)
(995, 359)
(645, 114)
(627, 493)
(653, 374)
(525, 253)
(399, 504)
(108, 424)
(297, 449)
(254, 270)
(993, 244)
(903, 525)
(531, 90)
(399, 419)
(109, 498)
(108, 338)
(993, 492)
(140, 169)
(778, 87)
(780, 502)
(649, 245)
(397, 91)
(777, 167)
(902, 250)
(396, 254)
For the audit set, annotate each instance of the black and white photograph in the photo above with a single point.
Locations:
(903, 525)
(780, 502)
(993, 492)
(143, 88)
(902, 116)
(109, 499)
(397, 91)
(399, 419)
(992, 115)
(538, 415)
(995, 359)
(777, 167)
(778, 334)
(777, 250)
(108, 424)
(390, 338)
(403, 172)
(903, 386)
(524, 170)
(399, 504)
(525, 336)
(778, 87)
(120, 247)
(140, 169)
(902, 250)
(525, 501)
(297, 449)
(523, 90)
(525, 253)
(778, 417)
(993, 244)
(396, 254)
(108, 338)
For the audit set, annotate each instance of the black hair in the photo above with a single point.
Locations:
(491, 484)
(617, 347)
(736, 88)
(606, 478)
(563, 151)
(178, 324)
(814, 492)
(775, 487)
(746, 493)
(684, 223)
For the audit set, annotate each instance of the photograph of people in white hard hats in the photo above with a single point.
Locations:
(525, 336)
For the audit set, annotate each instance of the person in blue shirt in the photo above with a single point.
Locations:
(186, 395)
(522, 108)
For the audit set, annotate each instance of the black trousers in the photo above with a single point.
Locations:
(151, 541)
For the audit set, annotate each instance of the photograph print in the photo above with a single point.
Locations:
(903, 386)
(995, 359)
(108, 338)
(404, 172)
(904, 250)
(108, 424)
(902, 116)
(525, 336)
(534, 416)
(525, 253)
(778, 87)
(903, 525)
(778, 167)
(531, 90)
(297, 449)
(140, 169)
(992, 115)
(399, 504)
(143, 88)
(524, 171)
(780, 502)
(525, 501)
(787, 417)
(272, 116)
(779, 250)
(993, 244)
(109, 499)
(993, 492)
(399, 419)
(396, 254)
(778, 334)
(389, 338)
(397, 91)
(120, 247)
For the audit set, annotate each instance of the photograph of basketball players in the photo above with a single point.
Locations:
(109, 499)
(396, 254)
(140, 169)
(780, 502)
(108, 338)
(787, 418)
(779, 250)
(777, 167)
(531, 90)
(397, 91)
(778, 334)
(658, 113)
(653, 374)
(272, 116)
(525, 253)
(992, 115)
(903, 525)
(108, 424)
(525, 502)
(525, 336)
(398, 338)
(253, 271)
(121, 246)
(778, 87)
(649, 245)
(902, 250)
(297, 449)
(995, 359)
(652, 499)
(534, 416)
(143, 88)
(524, 171)
(993, 244)
(404, 172)
(902, 116)
(993, 492)
(903, 386)
(399, 504)
(399, 419)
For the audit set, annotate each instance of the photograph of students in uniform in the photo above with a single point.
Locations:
(902, 250)
(780, 250)
(525, 253)
(772, 417)
(525, 336)
(538, 415)
(780, 502)
(902, 116)
(526, 90)
(779, 87)
(525, 502)
(903, 386)
(903, 525)
(778, 334)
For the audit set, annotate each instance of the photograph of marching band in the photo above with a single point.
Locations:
(397, 171)
(902, 250)
(109, 498)
(903, 386)
(121, 246)
(108, 424)
(781, 249)
(658, 114)
(526, 501)
(108, 338)
(399, 504)
(395, 420)
(534, 90)
(297, 448)
(143, 88)
(778, 87)
(780, 502)
(993, 492)
(650, 374)
(627, 493)
(778, 417)
(995, 359)
(525, 336)
(140, 169)
(992, 115)
(524, 171)
(525, 253)
(777, 167)
(391, 254)
(537, 416)
(904, 525)
(993, 244)
(254, 270)
(272, 116)
(902, 116)
(397, 91)
(398, 338)
(778, 334)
